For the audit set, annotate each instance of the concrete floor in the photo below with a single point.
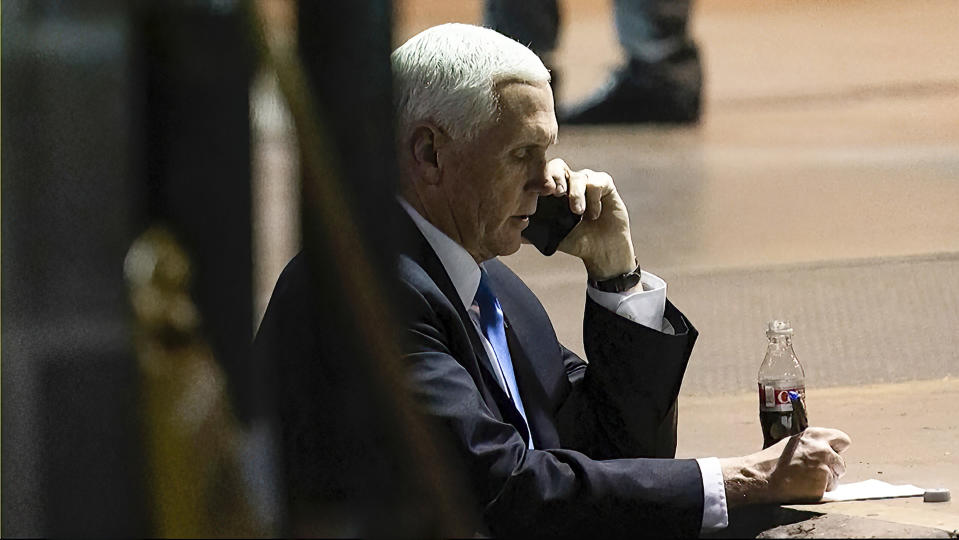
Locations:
(830, 133)
(822, 185)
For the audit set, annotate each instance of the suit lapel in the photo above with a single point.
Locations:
(418, 248)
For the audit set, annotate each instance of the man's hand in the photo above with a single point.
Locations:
(602, 240)
(794, 470)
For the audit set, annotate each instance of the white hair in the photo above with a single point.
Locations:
(447, 74)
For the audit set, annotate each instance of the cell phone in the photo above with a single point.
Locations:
(551, 223)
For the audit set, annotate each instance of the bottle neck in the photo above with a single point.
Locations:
(780, 363)
(781, 342)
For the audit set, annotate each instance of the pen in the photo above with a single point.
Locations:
(800, 422)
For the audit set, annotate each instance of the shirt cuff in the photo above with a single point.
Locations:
(715, 511)
(645, 307)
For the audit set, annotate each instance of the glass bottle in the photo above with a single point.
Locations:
(781, 374)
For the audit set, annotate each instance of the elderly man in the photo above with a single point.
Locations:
(550, 444)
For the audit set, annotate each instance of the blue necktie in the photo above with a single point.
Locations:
(491, 321)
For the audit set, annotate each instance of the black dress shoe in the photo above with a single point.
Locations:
(666, 92)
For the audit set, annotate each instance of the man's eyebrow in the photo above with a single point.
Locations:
(537, 135)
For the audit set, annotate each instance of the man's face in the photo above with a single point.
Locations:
(492, 182)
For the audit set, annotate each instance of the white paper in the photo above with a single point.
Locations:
(871, 489)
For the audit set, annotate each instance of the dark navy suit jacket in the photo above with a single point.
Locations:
(604, 431)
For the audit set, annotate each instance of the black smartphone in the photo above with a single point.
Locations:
(551, 223)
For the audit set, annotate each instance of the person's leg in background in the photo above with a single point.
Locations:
(662, 79)
(534, 23)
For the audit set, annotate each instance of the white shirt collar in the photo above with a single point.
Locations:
(459, 264)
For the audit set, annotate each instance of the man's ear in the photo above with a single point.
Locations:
(425, 143)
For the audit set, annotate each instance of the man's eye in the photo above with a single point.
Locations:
(521, 153)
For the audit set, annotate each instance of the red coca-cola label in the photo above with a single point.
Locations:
(775, 398)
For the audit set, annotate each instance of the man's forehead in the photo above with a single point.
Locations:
(527, 109)
(522, 95)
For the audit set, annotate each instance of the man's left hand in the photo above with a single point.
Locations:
(602, 239)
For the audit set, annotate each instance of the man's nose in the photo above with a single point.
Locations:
(540, 182)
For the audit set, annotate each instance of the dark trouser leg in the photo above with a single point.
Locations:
(534, 23)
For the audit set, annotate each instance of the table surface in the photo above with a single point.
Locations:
(900, 434)
(791, 522)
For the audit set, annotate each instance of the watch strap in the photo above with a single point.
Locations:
(620, 283)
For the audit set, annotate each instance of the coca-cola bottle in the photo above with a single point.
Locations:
(782, 386)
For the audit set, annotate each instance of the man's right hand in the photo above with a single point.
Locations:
(794, 470)
(602, 239)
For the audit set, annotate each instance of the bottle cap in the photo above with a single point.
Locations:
(779, 328)
(936, 495)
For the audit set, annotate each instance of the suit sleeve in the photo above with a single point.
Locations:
(623, 402)
(538, 492)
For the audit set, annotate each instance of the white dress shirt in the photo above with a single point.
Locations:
(645, 307)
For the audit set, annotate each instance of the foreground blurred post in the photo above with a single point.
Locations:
(356, 457)
(73, 195)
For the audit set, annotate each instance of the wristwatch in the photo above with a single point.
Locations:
(620, 283)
